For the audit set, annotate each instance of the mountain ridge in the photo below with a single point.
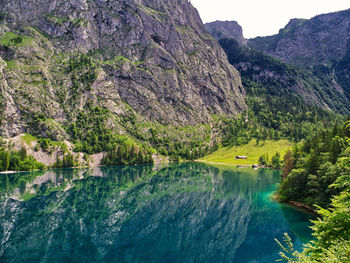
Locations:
(150, 58)
(308, 42)
(319, 47)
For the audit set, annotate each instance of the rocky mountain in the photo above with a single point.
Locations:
(226, 29)
(322, 39)
(270, 76)
(313, 59)
(138, 60)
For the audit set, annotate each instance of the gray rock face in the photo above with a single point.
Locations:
(226, 29)
(309, 42)
(153, 56)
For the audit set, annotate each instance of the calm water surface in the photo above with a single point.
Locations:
(180, 213)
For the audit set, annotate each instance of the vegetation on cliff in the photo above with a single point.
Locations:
(276, 87)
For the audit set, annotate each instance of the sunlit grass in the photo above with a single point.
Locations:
(251, 150)
(28, 139)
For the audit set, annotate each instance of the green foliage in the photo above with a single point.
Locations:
(276, 110)
(317, 165)
(44, 144)
(236, 131)
(264, 160)
(18, 161)
(322, 176)
(5, 160)
(332, 229)
(331, 232)
(124, 155)
(11, 39)
(276, 161)
(189, 142)
(67, 161)
(83, 73)
(288, 164)
(89, 131)
(90, 135)
(28, 139)
(274, 79)
(287, 253)
(333, 224)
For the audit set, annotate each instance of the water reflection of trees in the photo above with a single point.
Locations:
(187, 212)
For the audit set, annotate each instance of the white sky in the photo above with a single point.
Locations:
(264, 17)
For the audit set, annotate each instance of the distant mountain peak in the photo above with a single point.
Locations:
(307, 42)
(226, 29)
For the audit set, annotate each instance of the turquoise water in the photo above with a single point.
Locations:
(187, 212)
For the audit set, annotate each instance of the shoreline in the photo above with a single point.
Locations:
(9, 172)
(302, 206)
(230, 164)
(295, 204)
(254, 166)
(75, 167)
(156, 162)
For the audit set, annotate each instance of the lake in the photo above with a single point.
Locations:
(189, 212)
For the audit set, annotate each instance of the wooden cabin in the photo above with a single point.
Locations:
(241, 157)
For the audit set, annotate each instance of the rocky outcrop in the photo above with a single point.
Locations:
(153, 58)
(322, 39)
(226, 29)
(10, 121)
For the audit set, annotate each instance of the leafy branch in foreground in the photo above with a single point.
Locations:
(337, 252)
(287, 253)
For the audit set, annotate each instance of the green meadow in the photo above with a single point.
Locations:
(252, 150)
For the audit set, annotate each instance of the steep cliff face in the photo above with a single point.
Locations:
(308, 42)
(316, 86)
(226, 29)
(150, 58)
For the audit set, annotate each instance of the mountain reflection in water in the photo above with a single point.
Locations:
(187, 212)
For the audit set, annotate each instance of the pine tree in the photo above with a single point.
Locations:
(23, 153)
(6, 161)
(276, 161)
(258, 138)
(133, 152)
(120, 155)
(140, 157)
